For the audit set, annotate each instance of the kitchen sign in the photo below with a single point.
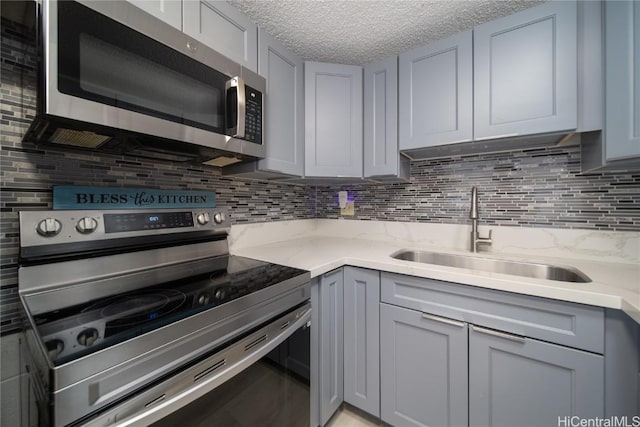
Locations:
(81, 197)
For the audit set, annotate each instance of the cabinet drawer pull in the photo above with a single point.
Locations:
(443, 320)
(329, 273)
(504, 335)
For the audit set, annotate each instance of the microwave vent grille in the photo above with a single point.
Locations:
(222, 161)
(78, 138)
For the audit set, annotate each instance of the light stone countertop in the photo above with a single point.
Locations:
(320, 246)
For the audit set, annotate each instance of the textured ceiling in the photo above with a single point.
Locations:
(360, 31)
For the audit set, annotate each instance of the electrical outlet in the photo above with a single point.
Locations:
(349, 209)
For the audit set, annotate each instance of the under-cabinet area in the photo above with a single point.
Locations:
(411, 351)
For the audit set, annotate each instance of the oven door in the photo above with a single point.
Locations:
(261, 379)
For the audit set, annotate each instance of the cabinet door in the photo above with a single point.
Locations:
(525, 382)
(381, 155)
(622, 81)
(284, 116)
(169, 11)
(423, 369)
(362, 339)
(525, 72)
(333, 120)
(223, 28)
(331, 344)
(436, 92)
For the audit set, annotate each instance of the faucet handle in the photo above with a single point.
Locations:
(485, 240)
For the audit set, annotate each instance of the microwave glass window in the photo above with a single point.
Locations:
(102, 60)
(118, 74)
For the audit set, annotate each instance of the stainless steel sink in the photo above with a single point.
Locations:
(515, 268)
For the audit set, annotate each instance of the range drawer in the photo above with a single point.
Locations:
(570, 324)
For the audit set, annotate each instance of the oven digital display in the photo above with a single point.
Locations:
(116, 223)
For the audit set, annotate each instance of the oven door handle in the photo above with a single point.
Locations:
(205, 376)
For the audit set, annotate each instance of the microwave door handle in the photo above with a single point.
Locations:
(241, 106)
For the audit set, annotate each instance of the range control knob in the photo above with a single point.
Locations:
(54, 348)
(87, 337)
(218, 217)
(203, 218)
(86, 225)
(49, 227)
(203, 299)
(219, 294)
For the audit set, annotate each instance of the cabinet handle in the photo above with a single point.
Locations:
(443, 320)
(511, 337)
(329, 273)
(192, 47)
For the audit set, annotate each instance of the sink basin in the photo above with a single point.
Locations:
(515, 268)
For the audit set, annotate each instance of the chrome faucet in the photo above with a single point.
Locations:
(473, 214)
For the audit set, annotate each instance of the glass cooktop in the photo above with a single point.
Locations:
(82, 329)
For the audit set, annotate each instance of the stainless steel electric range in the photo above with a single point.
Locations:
(138, 316)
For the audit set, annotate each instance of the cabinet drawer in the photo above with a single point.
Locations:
(569, 324)
(531, 382)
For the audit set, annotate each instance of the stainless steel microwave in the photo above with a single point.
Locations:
(116, 79)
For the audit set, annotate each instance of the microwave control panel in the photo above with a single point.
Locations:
(253, 120)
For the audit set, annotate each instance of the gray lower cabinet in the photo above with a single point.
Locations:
(516, 381)
(328, 306)
(622, 365)
(423, 359)
(19, 392)
(456, 355)
(437, 371)
(362, 339)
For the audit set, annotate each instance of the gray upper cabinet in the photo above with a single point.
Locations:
(516, 381)
(525, 70)
(381, 156)
(617, 147)
(224, 28)
(284, 117)
(362, 339)
(622, 79)
(423, 361)
(333, 120)
(169, 11)
(436, 92)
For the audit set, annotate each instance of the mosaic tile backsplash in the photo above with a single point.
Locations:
(529, 188)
